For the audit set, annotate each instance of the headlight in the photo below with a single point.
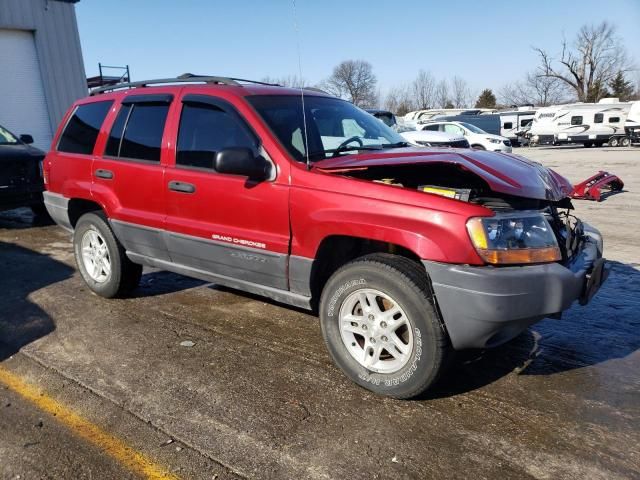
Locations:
(514, 239)
(493, 140)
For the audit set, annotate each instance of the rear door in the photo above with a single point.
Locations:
(73, 153)
(220, 223)
(128, 178)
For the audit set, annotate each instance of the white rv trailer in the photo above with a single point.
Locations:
(631, 126)
(514, 122)
(586, 123)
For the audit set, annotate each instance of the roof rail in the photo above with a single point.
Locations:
(184, 78)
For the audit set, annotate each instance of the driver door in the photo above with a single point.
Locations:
(219, 223)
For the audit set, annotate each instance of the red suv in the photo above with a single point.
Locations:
(406, 253)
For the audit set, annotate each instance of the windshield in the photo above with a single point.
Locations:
(6, 137)
(473, 128)
(334, 126)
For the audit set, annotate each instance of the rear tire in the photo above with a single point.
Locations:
(101, 258)
(613, 142)
(625, 142)
(478, 147)
(381, 327)
(588, 144)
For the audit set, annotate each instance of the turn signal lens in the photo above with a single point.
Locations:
(515, 238)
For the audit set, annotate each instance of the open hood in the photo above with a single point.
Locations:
(504, 173)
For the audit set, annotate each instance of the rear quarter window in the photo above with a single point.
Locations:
(81, 131)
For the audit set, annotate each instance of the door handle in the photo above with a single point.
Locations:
(182, 187)
(100, 173)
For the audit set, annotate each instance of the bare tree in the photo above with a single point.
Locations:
(288, 81)
(424, 87)
(399, 100)
(535, 90)
(442, 94)
(460, 95)
(355, 81)
(596, 56)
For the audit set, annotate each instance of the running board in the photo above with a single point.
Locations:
(276, 294)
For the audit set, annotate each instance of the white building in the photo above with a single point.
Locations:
(41, 67)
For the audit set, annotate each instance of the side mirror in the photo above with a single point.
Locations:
(242, 161)
(28, 139)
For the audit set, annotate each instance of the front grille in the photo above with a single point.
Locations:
(17, 173)
(456, 144)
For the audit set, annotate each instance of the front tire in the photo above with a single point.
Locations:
(478, 147)
(101, 259)
(381, 327)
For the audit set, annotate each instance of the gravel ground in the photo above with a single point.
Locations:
(213, 383)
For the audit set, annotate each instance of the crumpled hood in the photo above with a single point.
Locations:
(504, 173)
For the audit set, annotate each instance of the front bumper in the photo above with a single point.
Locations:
(22, 196)
(486, 306)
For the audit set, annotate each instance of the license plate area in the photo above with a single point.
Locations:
(595, 279)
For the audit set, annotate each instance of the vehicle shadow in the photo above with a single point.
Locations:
(161, 282)
(606, 329)
(24, 272)
(23, 218)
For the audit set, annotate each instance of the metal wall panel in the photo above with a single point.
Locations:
(58, 48)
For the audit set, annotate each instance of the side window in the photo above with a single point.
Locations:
(137, 132)
(526, 122)
(115, 137)
(577, 120)
(598, 118)
(82, 130)
(451, 128)
(508, 125)
(205, 130)
(614, 119)
(433, 128)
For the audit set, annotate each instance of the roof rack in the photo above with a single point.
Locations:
(184, 78)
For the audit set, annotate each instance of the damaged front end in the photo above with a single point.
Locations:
(539, 257)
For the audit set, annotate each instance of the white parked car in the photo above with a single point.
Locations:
(427, 138)
(476, 137)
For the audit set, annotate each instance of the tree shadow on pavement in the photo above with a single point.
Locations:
(607, 328)
(23, 272)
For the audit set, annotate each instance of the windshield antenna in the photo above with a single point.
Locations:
(304, 114)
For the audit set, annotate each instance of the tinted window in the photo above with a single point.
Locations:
(115, 137)
(204, 131)
(143, 132)
(508, 125)
(81, 132)
(433, 128)
(614, 119)
(526, 122)
(576, 120)
(598, 118)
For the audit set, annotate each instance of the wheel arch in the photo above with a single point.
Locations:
(334, 251)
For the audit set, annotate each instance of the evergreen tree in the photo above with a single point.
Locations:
(621, 87)
(486, 99)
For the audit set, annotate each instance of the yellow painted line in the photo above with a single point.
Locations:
(116, 448)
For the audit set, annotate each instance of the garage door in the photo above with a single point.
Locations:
(22, 101)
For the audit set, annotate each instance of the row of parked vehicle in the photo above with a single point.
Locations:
(608, 122)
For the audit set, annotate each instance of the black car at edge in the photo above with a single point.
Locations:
(21, 183)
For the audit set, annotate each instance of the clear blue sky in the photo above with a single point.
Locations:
(488, 43)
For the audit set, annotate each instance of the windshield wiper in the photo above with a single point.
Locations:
(351, 148)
